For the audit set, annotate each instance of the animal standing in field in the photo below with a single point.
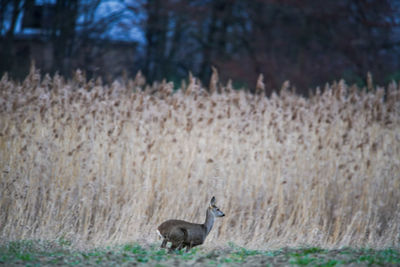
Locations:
(185, 234)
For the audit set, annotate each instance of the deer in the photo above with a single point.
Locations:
(183, 234)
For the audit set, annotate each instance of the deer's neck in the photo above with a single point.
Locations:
(209, 221)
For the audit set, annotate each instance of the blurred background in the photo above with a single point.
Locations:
(308, 42)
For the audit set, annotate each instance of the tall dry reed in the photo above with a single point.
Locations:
(100, 164)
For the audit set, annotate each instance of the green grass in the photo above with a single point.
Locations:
(60, 252)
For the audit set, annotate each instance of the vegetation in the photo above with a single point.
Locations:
(308, 42)
(95, 165)
(33, 253)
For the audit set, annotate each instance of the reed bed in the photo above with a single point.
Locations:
(104, 164)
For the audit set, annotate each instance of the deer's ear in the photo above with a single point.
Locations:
(212, 202)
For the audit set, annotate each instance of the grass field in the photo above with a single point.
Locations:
(101, 165)
(34, 253)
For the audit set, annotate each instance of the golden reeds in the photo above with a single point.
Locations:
(101, 164)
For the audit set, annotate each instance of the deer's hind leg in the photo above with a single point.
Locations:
(177, 238)
(176, 246)
(164, 243)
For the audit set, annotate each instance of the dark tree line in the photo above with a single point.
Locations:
(308, 42)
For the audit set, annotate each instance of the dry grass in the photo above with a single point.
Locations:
(102, 164)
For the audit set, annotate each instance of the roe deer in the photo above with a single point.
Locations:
(185, 234)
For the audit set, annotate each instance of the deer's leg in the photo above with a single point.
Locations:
(189, 246)
(164, 243)
(180, 246)
(173, 247)
(176, 237)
